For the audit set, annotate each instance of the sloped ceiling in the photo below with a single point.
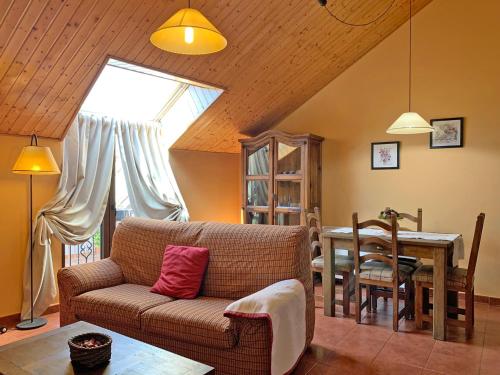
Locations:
(280, 53)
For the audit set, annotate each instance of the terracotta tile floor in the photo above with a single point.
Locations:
(341, 346)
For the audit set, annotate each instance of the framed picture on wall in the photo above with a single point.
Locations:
(385, 155)
(448, 133)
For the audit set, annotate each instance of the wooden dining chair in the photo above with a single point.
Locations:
(381, 269)
(408, 260)
(344, 264)
(412, 261)
(458, 280)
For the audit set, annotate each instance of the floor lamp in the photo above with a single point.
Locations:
(34, 160)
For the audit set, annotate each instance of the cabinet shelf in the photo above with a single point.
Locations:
(257, 178)
(257, 208)
(286, 210)
(289, 177)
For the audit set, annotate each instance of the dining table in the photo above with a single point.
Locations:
(444, 249)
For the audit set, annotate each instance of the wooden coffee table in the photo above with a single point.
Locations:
(48, 354)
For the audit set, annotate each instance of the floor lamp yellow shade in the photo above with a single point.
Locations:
(188, 32)
(36, 160)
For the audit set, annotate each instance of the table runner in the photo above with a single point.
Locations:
(458, 241)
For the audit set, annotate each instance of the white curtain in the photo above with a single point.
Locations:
(151, 185)
(77, 209)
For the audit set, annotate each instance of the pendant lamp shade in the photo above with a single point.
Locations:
(188, 32)
(36, 160)
(410, 123)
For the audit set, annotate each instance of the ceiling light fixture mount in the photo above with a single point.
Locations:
(188, 32)
(324, 4)
(410, 122)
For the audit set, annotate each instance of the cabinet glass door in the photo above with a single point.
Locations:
(288, 194)
(258, 185)
(288, 184)
(287, 218)
(257, 193)
(258, 162)
(289, 159)
(257, 218)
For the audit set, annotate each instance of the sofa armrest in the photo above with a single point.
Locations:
(83, 278)
(269, 301)
(283, 306)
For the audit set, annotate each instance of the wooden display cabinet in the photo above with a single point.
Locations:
(281, 175)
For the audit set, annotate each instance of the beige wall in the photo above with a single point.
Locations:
(209, 183)
(456, 73)
(14, 225)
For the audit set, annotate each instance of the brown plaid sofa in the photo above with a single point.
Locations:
(114, 293)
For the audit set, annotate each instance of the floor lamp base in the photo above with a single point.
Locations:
(29, 324)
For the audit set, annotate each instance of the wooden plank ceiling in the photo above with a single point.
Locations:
(280, 53)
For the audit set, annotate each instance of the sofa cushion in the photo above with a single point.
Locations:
(122, 304)
(182, 271)
(247, 258)
(139, 245)
(243, 258)
(199, 321)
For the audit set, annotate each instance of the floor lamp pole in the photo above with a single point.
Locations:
(32, 322)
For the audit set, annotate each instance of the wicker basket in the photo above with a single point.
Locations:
(90, 357)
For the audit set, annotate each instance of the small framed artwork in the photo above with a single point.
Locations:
(448, 133)
(385, 155)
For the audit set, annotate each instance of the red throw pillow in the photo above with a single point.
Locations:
(182, 271)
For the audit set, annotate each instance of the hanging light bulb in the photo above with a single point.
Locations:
(410, 122)
(189, 35)
(177, 34)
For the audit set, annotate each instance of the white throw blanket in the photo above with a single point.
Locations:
(283, 304)
(458, 241)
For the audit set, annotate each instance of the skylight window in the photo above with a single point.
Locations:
(134, 93)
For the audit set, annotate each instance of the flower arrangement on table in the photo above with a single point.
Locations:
(386, 214)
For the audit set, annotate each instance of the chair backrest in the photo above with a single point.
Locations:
(416, 219)
(471, 269)
(313, 222)
(389, 246)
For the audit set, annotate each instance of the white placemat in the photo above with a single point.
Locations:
(458, 241)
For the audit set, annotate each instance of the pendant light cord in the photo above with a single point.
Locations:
(324, 3)
(410, 62)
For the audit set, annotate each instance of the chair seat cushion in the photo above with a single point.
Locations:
(121, 304)
(197, 321)
(456, 278)
(415, 264)
(343, 263)
(409, 261)
(383, 272)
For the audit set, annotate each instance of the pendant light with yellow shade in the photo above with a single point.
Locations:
(188, 32)
(410, 122)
